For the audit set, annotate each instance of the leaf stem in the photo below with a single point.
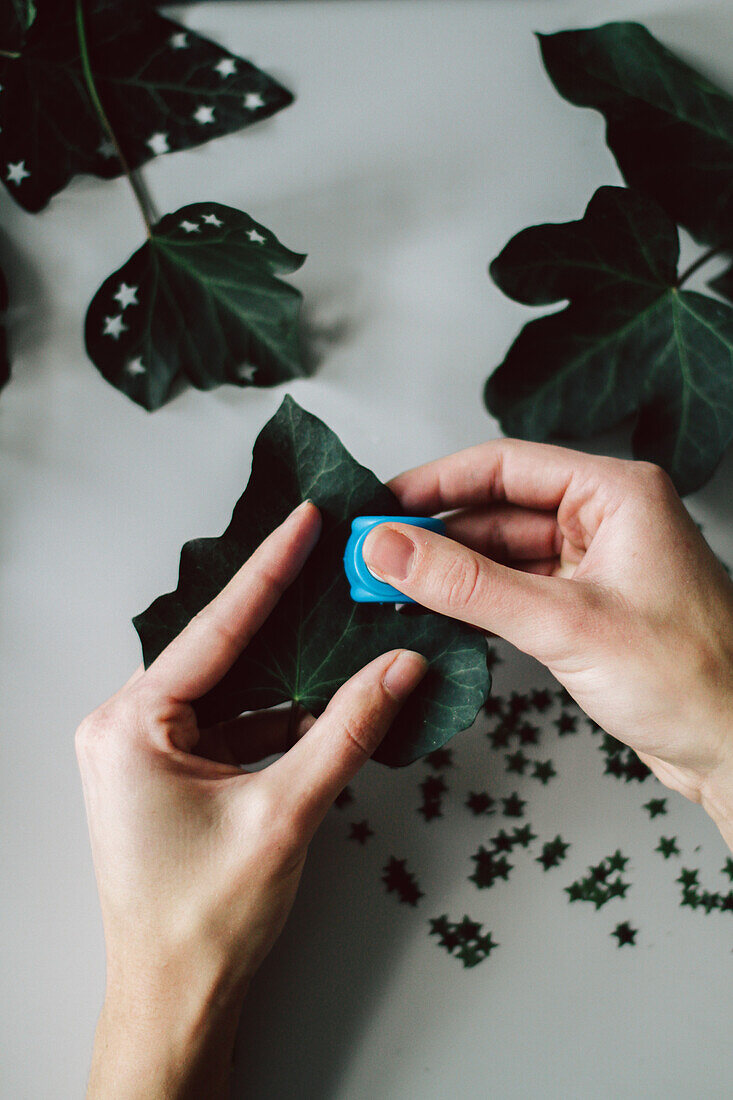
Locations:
(293, 720)
(699, 262)
(138, 189)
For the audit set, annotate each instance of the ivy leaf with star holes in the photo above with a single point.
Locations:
(317, 637)
(201, 303)
(162, 86)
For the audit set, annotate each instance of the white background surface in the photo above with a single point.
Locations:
(423, 136)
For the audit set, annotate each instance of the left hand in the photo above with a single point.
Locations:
(198, 862)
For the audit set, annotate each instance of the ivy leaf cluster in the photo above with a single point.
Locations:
(631, 342)
(99, 88)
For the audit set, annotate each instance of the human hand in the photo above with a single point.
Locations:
(593, 566)
(198, 862)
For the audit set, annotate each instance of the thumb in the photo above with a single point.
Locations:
(543, 616)
(310, 775)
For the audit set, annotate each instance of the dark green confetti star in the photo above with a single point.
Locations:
(566, 723)
(576, 891)
(726, 902)
(617, 861)
(528, 734)
(728, 868)
(667, 846)
(688, 877)
(502, 842)
(544, 771)
(513, 806)
(489, 868)
(540, 699)
(518, 704)
(617, 888)
(439, 925)
(360, 832)
(500, 736)
(439, 759)
(624, 933)
(468, 930)
(600, 872)
(473, 944)
(479, 802)
(656, 806)
(402, 882)
(553, 852)
(690, 897)
(523, 836)
(516, 762)
(709, 901)
(494, 705)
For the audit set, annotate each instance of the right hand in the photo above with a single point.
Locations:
(593, 566)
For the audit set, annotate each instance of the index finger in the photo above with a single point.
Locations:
(532, 475)
(208, 646)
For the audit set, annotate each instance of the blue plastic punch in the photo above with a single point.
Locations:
(365, 587)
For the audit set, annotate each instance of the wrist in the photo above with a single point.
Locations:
(165, 1030)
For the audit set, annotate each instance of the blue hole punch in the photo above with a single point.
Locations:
(365, 587)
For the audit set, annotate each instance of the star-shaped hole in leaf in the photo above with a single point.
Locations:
(199, 303)
(630, 341)
(162, 86)
(317, 637)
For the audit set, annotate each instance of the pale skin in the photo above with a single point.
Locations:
(591, 565)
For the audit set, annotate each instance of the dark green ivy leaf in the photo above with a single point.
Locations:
(669, 127)
(16, 17)
(317, 637)
(629, 341)
(163, 88)
(199, 302)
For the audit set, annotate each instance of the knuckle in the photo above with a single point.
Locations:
(652, 479)
(356, 731)
(209, 622)
(461, 582)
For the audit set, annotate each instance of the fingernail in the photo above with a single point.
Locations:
(404, 674)
(389, 553)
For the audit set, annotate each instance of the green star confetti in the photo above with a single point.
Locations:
(466, 938)
(553, 853)
(656, 806)
(516, 762)
(360, 832)
(544, 771)
(489, 868)
(625, 934)
(402, 882)
(480, 802)
(667, 846)
(513, 806)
